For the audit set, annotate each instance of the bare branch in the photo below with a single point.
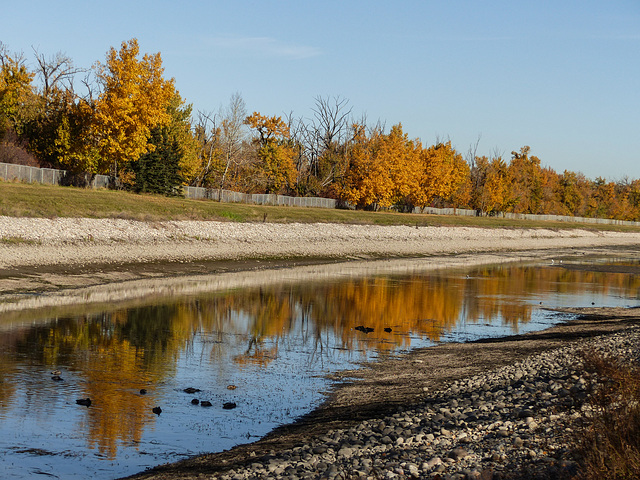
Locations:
(55, 71)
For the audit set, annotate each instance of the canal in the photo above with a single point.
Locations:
(200, 373)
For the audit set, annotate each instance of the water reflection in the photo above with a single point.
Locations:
(270, 342)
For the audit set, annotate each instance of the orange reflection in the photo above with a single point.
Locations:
(118, 353)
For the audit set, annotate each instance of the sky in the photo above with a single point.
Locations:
(560, 76)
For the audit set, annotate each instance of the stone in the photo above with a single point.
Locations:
(457, 453)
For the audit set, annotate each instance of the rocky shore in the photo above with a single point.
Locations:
(514, 422)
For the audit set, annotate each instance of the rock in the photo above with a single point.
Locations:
(457, 453)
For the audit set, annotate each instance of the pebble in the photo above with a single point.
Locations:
(511, 423)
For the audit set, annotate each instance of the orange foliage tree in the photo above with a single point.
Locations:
(444, 176)
(134, 100)
(525, 181)
(492, 192)
(383, 168)
(275, 169)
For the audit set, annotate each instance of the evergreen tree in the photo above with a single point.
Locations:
(158, 171)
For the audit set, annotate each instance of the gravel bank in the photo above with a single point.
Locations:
(65, 241)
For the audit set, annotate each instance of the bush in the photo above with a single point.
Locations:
(609, 445)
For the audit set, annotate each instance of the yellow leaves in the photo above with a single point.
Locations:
(492, 193)
(269, 128)
(444, 172)
(383, 169)
(275, 169)
(16, 90)
(134, 100)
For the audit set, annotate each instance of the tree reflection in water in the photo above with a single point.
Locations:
(113, 355)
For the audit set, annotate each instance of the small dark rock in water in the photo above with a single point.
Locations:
(156, 410)
(195, 401)
(143, 391)
(229, 405)
(364, 329)
(191, 390)
(387, 329)
(205, 403)
(86, 402)
(56, 378)
(231, 387)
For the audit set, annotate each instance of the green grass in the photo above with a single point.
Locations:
(17, 241)
(32, 200)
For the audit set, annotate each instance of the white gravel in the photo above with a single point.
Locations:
(42, 241)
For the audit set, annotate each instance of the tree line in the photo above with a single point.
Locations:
(131, 123)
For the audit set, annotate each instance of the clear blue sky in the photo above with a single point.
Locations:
(560, 76)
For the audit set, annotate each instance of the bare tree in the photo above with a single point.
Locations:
(56, 71)
(331, 120)
(325, 137)
(207, 133)
(298, 135)
(472, 152)
(232, 134)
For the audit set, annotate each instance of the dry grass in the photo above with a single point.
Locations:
(32, 200)
(609, 445)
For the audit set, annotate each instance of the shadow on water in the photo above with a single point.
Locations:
(265, 350)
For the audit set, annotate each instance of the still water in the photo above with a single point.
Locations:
(265, 350)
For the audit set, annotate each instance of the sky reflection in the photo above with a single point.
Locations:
(263, 348)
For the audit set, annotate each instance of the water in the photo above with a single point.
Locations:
(266, 349)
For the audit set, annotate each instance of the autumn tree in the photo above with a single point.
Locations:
(551, 202)
(60, 131)
(491, 190)
(275, 170)
(133, 100)
(60, 135)
(17, 93)
(402, 157)
(444, 176)
(383, 169)
(367, 182)
(633, 199)
(525, 181)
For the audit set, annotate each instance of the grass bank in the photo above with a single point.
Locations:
(33, 200)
